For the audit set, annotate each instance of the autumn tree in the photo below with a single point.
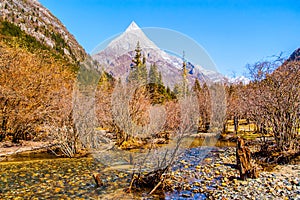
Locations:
(273, 98)
(204, 103)
(235, 108)
(103, 94)
(35, 97)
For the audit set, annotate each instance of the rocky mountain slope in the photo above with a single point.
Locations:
(116, 58)
(295, 56)
(38, 65)
(37, 21)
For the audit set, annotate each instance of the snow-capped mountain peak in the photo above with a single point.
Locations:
(132, 27)
(116, 58)
(128, 40)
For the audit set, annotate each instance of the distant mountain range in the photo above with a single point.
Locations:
(116, 59)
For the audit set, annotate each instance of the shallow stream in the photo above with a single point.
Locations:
(65, 178)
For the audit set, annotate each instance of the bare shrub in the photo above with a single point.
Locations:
(84, 112)
(155, 178)
(34, 91)
(133, 113)
(274, 103)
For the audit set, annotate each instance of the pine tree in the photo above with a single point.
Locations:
(177, 90)
(160, 82)
(137, 58)
(143, 72)
(168, 90)
(155, 88)
(103, 78)
(138, 73)
(197, 86)
(153, 74)
(184, 76)
(181, 89)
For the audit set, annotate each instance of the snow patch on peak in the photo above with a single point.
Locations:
(133, 26)
(239, 79)
(128, 40)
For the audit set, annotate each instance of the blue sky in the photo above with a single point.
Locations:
(233, 33)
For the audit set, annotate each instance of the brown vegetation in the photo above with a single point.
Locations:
(273, 103)
(35, 96)
(271, 100)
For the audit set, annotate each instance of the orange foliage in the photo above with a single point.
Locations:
(35, 92)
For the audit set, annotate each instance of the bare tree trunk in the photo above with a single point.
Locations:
(236, 124)
(243, 159)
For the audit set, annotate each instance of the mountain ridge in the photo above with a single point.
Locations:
(295, 56)
(37, 21)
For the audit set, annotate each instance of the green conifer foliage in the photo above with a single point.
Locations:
(138, 73)
(160, 82)
(197, 86)
(154, 75)
(177, 90)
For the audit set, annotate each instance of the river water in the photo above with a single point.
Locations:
(65, 178)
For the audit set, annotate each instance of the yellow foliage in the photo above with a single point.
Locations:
(35, 89)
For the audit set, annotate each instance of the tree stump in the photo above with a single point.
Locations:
(243, 158)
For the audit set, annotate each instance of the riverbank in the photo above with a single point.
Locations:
(9, 151)
(32, 150)
(217, 178)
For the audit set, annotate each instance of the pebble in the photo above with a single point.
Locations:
(224, 184)
(289, 187)
(244, 183)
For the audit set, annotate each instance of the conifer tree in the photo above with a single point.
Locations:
(155, 86)
(197, 87)
(160, 82)
(168, 90)
(138, 73)
(184, 76)
(106, 81)
(137, 58)
(177, 90)
(181, 89)
(143, 72)
(153, 74)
